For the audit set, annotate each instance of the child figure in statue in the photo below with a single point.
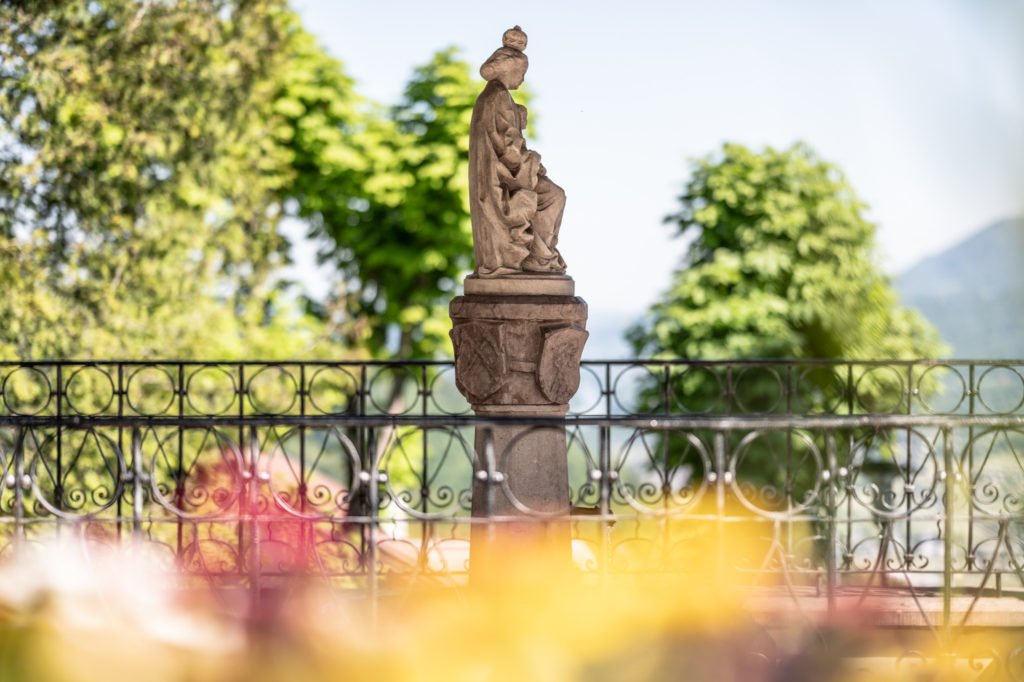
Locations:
(515, 208)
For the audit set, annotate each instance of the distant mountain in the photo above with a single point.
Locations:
(974, 292)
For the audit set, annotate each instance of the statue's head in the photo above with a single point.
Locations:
(514, 38)
(508, 64)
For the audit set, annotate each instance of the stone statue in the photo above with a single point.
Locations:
(516, 209)
(519, 329)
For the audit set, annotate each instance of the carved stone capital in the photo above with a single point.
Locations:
(518, 350)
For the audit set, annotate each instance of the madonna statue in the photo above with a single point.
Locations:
(515, 209)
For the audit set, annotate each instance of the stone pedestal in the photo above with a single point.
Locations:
(518, 342)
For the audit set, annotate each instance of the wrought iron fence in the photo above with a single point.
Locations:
(859, 478)
(153, 389)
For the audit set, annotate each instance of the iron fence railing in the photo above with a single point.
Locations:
(608, 388)
(362, 473)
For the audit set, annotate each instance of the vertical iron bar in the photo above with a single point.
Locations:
(120, 443)
(253, 517)
(720, 468)
(911, 392)
(947, 534)
(666, 388)
(605, 467)
(18, 467)
(247, 482)
(720, 482)
(365, 440)
(971, 394)
(179, 477)
(363, 390)
(138, 485)
(370, 527)
(730, 390)
(831, 574)
(851, 391)
(910, 468)
(666, 495)
(58, 488)
(848, 481)
(848, 485)
(788, 388)
(425, 526)
(490, 467)
(306, 544)
(789, 475)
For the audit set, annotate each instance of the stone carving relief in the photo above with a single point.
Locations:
(558, 372)
(518, 353)
(481, 365)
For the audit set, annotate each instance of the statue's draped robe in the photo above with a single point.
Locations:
(516, 210)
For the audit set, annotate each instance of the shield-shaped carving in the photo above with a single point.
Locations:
(558, 372)
(480, 363)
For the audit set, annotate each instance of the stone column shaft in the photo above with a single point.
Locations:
(517, 355)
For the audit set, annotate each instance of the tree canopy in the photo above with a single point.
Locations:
(140, 198)
(388, 195)
(782, 263)
(149, 151)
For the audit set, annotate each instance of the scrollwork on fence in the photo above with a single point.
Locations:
(861, 475)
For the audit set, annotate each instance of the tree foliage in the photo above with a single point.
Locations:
(388, 194)
(782, 264)
(148, 152)
(139, 194)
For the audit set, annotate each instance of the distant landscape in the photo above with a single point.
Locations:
(974, 292)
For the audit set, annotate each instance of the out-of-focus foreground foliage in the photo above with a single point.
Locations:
(149, 151)
(103, 617)
(782, 264)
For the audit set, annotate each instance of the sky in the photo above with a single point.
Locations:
(920, 102)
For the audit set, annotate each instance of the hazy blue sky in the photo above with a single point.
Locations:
(920, 102)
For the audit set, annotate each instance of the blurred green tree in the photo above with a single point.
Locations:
(389, 195)
(782, 264)
(139, 192)
(149, 151)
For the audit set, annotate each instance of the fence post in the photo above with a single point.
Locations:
(605, 490)
(18, 467)
(489, 480)
(307, 529)
(58, 488)
(179, 474)
(120, 393)
(831, 576)
(370, 525)
(367, 446)
(138, 485)
(426, 528)
(252, 501)
(720, 483)
(947, 531)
